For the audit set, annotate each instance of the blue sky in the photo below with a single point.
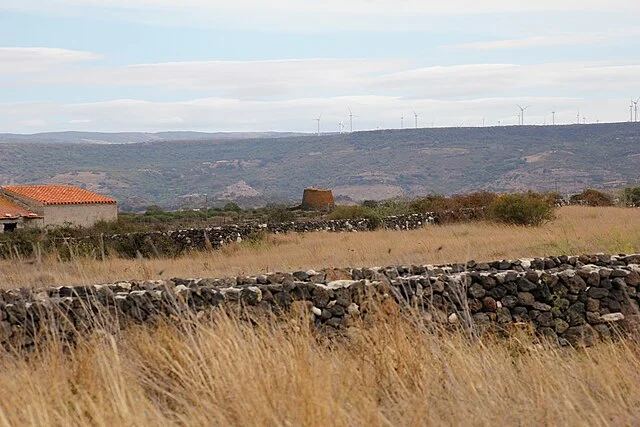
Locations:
(250, 65)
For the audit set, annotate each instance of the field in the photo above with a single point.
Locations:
(576, 230)
(393, 371)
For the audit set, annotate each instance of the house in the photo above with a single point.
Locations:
(14, 216)
(54, 205)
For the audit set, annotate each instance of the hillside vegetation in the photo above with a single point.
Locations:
(362, 165)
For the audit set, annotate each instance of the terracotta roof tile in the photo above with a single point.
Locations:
(58, 194)
(8, 209)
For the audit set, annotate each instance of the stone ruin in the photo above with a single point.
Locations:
(318, 199)
(568, 300)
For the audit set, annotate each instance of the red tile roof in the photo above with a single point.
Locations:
(58, 194)
(8, 209)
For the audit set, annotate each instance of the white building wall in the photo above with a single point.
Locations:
(81, 215)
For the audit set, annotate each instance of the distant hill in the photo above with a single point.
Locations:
(185, 170)
(74, 137)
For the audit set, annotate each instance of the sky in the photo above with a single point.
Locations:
(253, 65)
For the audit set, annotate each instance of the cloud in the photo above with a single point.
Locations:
(309, 15)
(356, 7)
(225, 114)
(29, 59)
(591, 39)
(290, 79)
(233, 78)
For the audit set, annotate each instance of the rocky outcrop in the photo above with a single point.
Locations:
(569, 300)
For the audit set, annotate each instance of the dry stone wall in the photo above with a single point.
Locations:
(570, 300)
(173, 243)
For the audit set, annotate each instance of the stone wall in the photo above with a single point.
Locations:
(569, 300)
(173, 243)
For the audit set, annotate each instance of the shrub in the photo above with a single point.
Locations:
(279, 214)
(521, 209)
(232, 207)
(439, 203)
(431, 203)
(632, 196)
(356, 212)
(592, 197)
(477, 200)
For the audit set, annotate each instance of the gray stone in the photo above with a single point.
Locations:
(509, 301)
(503, 315)
(301, 275)
(477, 291)
(5, 331)
(583, 335)
(577, 284)
(526, 299)
(560, 326)
(520, 314)
(525, 285)
(592, 304)
(593, 318)
(603, 331)
(619, 273)
(541, 306)
(549, 334)
(321, 296)
(545, 319)
(489, 304)
(481, 319)
(612, 317)
(597, 293)
(353, 309)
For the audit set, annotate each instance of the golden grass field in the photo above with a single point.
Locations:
(576, 230)
(393, 371)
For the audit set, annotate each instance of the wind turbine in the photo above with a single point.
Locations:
(318, 120)
(416, 117)
(341, 126)
(635, 104)
(522, 110)
(402, 121)
(351, 116)
(553, 118)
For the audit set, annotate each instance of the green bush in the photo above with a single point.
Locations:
(279, 214)
(521, 209)
(632, 196)
(592, 197)
(431, 203)
(232, 207)
(357, 212)
(439, 203)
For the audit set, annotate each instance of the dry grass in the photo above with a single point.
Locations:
(392, 373)
(577, 230)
